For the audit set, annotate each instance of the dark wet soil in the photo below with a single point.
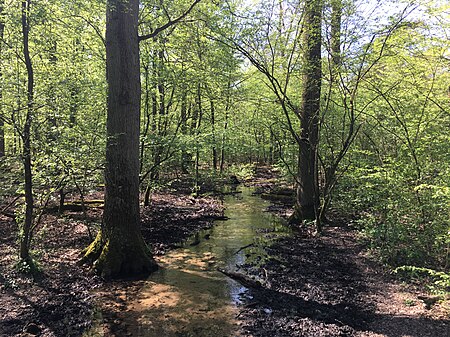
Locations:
(314, 287)
(62, 300)
(57, 302)
(172, 218)
(329, 286)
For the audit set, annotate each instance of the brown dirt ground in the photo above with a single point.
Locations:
(61, 301)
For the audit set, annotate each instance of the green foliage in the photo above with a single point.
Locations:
(396, 182)
(10, 170)
(241, 171)
(10, 283)
(410, 303)
(438, 282)
(402, 224)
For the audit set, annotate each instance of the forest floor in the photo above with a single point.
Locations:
(331, 286)
(328, 286)
(62, 299)
(313, 286)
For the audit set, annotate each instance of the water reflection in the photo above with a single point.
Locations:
(187, 296)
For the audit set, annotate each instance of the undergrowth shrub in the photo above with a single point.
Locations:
(241, 171)
(438, 282)
(403, 223)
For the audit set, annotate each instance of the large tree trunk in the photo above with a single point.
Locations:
(25, 237)
(307, 204)
(2, 123)
(119, 249)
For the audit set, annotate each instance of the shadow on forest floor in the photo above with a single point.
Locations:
(328, 287)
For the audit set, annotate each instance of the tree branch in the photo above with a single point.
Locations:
(169, 23)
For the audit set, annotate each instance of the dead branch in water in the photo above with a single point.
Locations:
(245, 280)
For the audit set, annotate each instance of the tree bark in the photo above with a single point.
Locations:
(199, 114)
(119, 249)
(335, 51)
(336, 18)
(2, 123)
(307, 203)
(225, 128)
(185, 157)
(213, 131)
(25, 238)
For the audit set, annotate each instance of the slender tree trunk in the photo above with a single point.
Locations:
(2, 123)
(119, 248)
(184, 153)
(336, 17)
(74, 91)
(26, 135)
(213, 130)
(154, 127)
(162, 118)
(272, 148)
(147, 117)
(307, 204)
(155, 122)
(225, 128)
(51, 103)
(2, 132)
(330, 172)
(197, 133)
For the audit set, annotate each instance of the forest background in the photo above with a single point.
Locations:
(222, 91)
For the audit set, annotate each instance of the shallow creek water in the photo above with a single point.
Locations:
(187, 296)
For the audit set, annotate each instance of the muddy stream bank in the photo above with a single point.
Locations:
(311, 286)
(188, 296)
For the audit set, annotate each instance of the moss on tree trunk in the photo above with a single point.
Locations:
(119, 255)
(119, 249)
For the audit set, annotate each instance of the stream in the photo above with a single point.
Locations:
(187, 296)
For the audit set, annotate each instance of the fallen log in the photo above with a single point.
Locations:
(245, 280)
(429, 300)
(65, 207)
(215, 217)
(75, 206)
(4, 210)
(88, 202)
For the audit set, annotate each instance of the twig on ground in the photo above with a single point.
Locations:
(242, 248)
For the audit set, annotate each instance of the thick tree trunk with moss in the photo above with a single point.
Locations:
(307, 204)
(119, 249)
